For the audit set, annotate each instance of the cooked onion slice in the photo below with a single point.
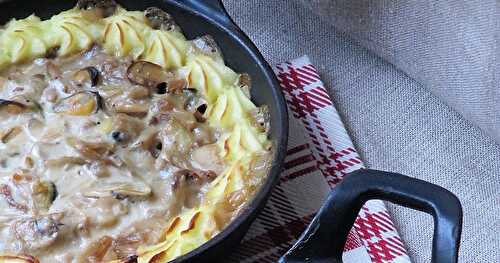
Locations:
(79, 104)
(18, 259)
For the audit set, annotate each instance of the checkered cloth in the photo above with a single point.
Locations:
(319, 154)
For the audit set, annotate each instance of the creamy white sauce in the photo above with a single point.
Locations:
(85, 208)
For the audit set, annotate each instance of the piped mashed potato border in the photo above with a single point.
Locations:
(127, 33)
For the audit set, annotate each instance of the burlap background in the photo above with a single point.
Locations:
(396, 122)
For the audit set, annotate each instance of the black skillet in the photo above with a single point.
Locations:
(324, 239)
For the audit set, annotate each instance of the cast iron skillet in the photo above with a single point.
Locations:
(325, 238)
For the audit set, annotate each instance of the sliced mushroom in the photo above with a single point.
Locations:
(79, 104)
(87, 75)
(96, 9)
(18, 259)
(9, 134)
(147, 74)
(44, 194)
(207, 45)
(159, 19)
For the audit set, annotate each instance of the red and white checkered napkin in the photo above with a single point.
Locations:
(319, 154)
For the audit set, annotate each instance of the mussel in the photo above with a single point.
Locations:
(79, 104)
(87, 75)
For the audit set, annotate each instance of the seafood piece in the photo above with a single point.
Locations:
(87, 75)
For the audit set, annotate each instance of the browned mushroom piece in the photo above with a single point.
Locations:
(79, 104)
(147, 74)
(159, 19)
(207, 45)
(95, 9)
(87, 75)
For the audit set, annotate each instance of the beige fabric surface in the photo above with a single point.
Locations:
(396, 123)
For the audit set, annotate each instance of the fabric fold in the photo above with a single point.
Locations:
(451, 47)
(320, 153)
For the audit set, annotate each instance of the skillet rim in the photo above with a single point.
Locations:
(222, 21)
(258, 201)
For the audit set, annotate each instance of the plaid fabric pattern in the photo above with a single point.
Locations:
(319, 154)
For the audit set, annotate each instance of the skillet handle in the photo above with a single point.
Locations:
(325, 237)
(213, 9)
